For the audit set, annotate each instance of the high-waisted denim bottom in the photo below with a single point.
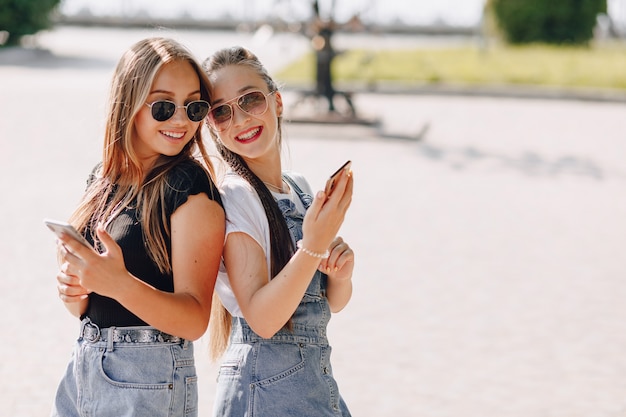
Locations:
(287, 375)
(133, 377)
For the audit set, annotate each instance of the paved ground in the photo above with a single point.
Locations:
(490, 268)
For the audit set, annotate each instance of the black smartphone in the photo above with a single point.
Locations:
(330, 184)
(59, 227)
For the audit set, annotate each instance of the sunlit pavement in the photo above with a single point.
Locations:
(489, 237)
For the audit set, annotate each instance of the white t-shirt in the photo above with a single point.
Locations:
(245, 214)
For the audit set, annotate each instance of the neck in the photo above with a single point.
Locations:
(283, 188)
(269, 170)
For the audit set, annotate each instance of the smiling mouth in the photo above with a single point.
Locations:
(249, 135)
(173, 135)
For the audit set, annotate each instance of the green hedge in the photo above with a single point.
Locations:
(25, 17)
(547, 21)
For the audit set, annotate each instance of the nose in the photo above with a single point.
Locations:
(238, 115)
(180, 115)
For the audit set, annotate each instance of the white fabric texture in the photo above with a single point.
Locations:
(245, 214)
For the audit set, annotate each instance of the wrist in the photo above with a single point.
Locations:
(315, 254)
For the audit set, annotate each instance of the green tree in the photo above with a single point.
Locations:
(554, 22)
(25, 17)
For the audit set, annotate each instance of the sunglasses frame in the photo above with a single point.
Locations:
(176, 107)
(232, 111)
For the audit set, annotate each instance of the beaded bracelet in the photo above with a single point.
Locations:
(309, 252)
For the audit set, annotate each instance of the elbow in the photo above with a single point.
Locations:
(196, 332)
(264, 330)
(265, 333)
(337, 305)
(336, 309)
(192, 336)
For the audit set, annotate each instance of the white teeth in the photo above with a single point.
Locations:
(173, 134)
(249, 135)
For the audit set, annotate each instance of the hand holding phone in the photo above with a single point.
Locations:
(59, 227)
(330, 184)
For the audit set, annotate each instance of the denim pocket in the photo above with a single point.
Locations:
(275, 362)
(234, 360)
(137, 368)
(292, 390)
(132, 379)
(230, 367)
(191, 396)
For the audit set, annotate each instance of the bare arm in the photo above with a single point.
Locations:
(197, 238)
(268, 304)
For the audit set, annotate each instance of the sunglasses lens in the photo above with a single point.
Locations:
(163, 110)
(221, 114)
(197, 110)
(253, 103)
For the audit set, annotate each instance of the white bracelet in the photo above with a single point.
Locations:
(309, 252)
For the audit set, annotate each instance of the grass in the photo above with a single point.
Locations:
(598, 67)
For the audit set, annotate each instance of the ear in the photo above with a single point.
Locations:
(279, 103)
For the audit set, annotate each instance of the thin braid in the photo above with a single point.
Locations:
(281, 244)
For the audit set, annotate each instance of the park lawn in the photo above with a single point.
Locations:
(598, 67)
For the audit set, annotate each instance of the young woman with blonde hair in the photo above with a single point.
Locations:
(284, 267)
(156, 222)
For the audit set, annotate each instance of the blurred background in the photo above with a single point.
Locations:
(489, 214)
(394, 14)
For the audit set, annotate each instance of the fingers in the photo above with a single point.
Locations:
(110, 245)
(67, 255)
(326, 214)
(71, 246)
(315, 207)
(69, 288)
(72, 298)
(340, 255)
(72, 264)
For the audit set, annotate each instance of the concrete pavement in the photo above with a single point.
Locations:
(489, 278)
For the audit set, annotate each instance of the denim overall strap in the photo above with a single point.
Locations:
(313, 311)
(293, 217)
(304, 197)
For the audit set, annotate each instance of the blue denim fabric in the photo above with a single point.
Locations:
(128, 379)
(287, 375)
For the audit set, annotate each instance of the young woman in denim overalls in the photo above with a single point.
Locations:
(284, 268)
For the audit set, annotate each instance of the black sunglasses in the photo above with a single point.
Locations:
(163, 110)
(253, 103)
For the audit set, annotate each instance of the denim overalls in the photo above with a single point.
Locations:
(289, 374)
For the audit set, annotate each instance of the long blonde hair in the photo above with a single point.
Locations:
(281, 245)
(121, 179)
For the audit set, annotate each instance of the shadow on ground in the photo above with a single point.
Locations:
(528, 162)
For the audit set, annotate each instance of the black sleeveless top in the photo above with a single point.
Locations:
(187, 178)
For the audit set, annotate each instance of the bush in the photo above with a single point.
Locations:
(25, 17)
(554, 22)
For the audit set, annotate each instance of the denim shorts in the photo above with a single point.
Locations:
(128, 378)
